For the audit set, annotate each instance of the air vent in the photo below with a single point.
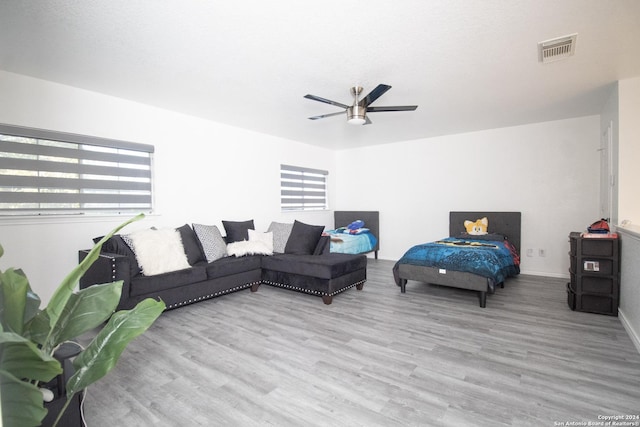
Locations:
(556, 49)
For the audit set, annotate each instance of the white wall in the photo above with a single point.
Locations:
(629, 146)
(548, 171)
(205, 172)
(629, 205)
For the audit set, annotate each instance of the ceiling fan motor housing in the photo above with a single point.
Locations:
(356, 114)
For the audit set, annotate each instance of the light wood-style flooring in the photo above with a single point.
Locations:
(376, 357)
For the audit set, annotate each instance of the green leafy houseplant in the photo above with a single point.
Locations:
(29, 336)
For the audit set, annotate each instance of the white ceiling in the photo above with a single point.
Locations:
(468, 65)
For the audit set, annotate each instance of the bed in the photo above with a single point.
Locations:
(441, 263)
(366, 239)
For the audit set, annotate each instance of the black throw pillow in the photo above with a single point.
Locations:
(237, 230)
(303, 238)
(191, 244)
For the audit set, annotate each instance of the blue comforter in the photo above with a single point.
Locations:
(351, 243)
(487, 258)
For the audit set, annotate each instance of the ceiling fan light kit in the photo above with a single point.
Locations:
(357, 112)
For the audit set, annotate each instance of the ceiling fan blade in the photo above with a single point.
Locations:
(396, 108)
(326, 101)
(366, 121)
(326, 115)
(374, 94)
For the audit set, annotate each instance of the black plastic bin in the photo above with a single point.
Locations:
(571, 297)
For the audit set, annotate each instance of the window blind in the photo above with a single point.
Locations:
(46, 172)
(303, 188)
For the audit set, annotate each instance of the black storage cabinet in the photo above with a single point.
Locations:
(595, 273)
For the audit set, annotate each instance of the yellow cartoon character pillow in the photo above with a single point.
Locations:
(477, 228)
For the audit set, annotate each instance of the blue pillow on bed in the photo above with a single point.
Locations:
(356, 224)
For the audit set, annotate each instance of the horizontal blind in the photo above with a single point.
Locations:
(46, 172)
(303, 188)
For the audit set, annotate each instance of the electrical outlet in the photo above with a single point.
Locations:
(542, 252)
(530, 252)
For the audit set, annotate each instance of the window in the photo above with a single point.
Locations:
(303, 188)
(45, 172)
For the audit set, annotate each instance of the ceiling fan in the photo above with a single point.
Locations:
(357, 112)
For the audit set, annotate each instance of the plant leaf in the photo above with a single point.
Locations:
(21, 402)
(14, 299)
(85, 310)
(103, 352)
(63, 292)
(33, 305)
(23, 359)
(37, 330)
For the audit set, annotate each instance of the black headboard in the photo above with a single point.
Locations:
(371, 221)
(507, 223)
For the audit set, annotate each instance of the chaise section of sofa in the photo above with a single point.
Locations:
(324, 275)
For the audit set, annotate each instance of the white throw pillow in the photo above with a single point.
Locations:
(266, 238)
(249, 247)
(159, 251)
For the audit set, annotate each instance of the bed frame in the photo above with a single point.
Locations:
(507, 223)
(371, 221)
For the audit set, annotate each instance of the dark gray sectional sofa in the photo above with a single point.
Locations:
(305, 266)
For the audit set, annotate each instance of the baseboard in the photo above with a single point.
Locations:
(545, 274)
(635, 338)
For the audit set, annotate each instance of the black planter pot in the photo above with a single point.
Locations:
(72, 416)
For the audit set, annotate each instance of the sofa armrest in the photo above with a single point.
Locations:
(107, 268)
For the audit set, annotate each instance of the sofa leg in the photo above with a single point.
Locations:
(327, 299)
(254, 287)
(359, 286)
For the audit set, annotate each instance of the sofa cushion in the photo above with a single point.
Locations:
(327, 266)
(237, 230)
(281, 232)
(191, 244)
(147, 284)
(303, 239)
(232, 265)
(212, 242)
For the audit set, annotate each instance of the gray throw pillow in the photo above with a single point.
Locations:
(212, 242)
(281, 233)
